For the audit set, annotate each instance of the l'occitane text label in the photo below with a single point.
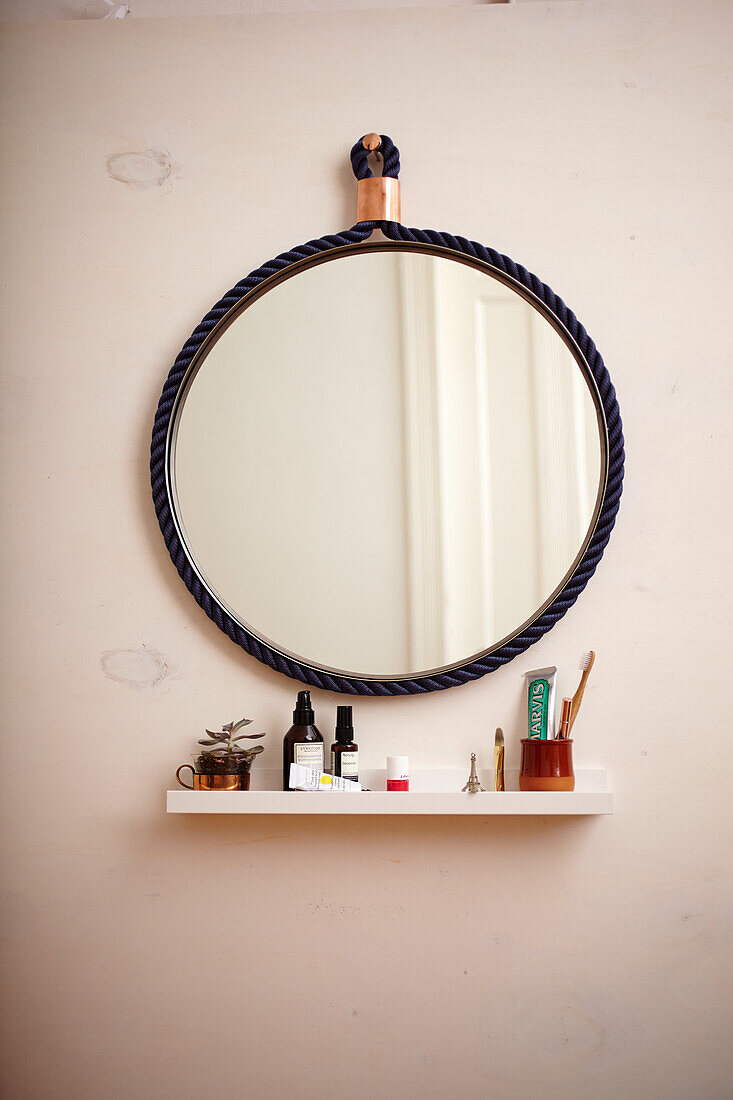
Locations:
(538, 709)
(310, 754)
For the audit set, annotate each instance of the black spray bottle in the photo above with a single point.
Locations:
(302, 743)
(344, 750)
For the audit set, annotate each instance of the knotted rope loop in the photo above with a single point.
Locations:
(387, 150)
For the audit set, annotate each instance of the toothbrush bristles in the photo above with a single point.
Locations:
(585, 660)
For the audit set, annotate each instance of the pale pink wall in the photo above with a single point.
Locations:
(149, 956)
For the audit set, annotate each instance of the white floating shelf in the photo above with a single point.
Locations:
(432, 792)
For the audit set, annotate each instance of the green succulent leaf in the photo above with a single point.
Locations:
(226, 741)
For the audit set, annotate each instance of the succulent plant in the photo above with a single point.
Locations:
(225, 743)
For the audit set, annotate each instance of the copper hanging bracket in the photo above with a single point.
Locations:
(377, 197)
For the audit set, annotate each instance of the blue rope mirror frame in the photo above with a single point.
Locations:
(395, 231)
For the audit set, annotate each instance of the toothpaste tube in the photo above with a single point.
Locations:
(541, 703)
(303, 778)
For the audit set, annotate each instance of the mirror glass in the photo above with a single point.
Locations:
(387, 461)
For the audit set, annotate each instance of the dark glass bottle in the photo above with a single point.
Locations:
(344, 750)
(302, 743)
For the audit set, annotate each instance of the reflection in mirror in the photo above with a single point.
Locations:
(388, 463)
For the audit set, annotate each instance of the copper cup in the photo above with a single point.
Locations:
(546, 765)
(204, 782)
(229, 772)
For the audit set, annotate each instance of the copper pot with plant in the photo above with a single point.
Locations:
(225, 764)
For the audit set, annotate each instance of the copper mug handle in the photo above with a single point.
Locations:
(178, 776)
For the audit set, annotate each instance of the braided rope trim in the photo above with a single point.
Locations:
(485, 664)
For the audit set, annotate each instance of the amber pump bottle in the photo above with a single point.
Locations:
(344, 750)
(302, 743)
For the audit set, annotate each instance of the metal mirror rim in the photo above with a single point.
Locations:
(265, 279)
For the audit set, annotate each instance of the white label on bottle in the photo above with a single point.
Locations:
(333, 762)
(309, 753)
(349, 765)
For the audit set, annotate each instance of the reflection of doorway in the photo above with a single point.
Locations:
(423, 498)
(498, 498)
(566, 455)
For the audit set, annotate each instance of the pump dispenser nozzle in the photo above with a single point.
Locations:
(303, 715)
(344, 725)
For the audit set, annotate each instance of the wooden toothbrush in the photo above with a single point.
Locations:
(586, 664)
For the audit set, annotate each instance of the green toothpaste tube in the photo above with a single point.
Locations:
(541, 703)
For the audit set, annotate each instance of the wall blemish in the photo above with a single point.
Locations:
(141, 669)
(142, 170)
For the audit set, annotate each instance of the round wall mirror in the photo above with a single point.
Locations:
(382, 465)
